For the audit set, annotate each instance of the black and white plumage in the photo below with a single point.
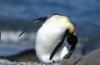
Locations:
(50, 38)
(49, 43)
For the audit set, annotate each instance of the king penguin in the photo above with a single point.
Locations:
(49, 44)
(50, 37)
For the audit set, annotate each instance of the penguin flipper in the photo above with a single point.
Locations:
(58, 45)
(56, 49)
(40, 19)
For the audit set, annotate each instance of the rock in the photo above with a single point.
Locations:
(72, 61)
(93, 58)
(25, 56)
(7, 62)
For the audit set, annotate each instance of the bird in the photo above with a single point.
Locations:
(49, 44)
(50, 37)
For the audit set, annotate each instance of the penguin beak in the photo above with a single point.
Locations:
(40, 19)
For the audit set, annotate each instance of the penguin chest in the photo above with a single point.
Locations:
(47, 39)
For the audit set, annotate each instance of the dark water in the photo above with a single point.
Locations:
(85, 14)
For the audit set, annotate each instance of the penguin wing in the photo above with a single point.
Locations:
(40, 19)
(58, 46)
(56, 49)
